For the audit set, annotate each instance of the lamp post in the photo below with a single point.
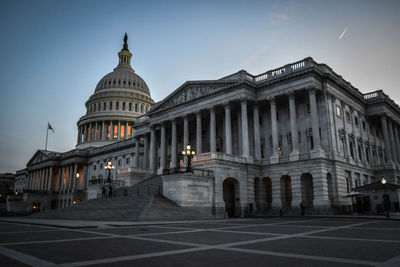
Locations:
(109, 167)
(189, 153)
(385, 198)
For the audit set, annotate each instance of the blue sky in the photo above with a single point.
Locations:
(53, 53)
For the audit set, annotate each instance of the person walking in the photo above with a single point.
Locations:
(103, 192)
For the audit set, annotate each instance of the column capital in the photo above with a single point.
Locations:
(290, 94)
(271, 99)
(311, 89)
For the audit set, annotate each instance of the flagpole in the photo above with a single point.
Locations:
(47, 135)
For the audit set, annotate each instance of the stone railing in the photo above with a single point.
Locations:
(283, 159)
(132, 169)
(304, 156)
(283, 70)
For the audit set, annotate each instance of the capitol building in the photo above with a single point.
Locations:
(262, 144)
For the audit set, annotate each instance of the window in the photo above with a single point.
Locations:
(308, 108)
(101, 166)
(104, 105)
(351, 149)
(128, 160)
(338, 111)
(348, 116)
(141, 108)
(136, 107)
(130, 106)
(119, 162)
(108, 131)
(123, 105)
(99, 107)
(363, 125)
(117, 105)
(110, 105)
(356, 121)
(122, 131)
(94, 167)
(115, 135)
(94, 107)
(359, 153)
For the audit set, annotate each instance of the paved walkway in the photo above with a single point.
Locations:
(302, 241)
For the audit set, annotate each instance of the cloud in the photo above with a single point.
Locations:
(277, 18)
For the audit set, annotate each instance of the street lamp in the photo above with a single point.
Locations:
(385, 198)
(189, 153)
(109, 167)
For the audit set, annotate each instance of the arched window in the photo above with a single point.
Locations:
(130, 106)
(123, 105)
(141, 108)
(136, 107)
(110, 105)
(117, 105)
(104, 105)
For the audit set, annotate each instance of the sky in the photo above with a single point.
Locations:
(53, 53)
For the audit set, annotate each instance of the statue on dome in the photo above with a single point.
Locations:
(125, 42)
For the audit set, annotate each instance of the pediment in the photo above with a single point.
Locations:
(190, 91)
(40, 156)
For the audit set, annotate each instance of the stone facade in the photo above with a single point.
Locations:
(264, 143)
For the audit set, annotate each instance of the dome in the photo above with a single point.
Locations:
(124, 78)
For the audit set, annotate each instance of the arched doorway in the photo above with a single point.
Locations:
(307, 190)
(231, 197)
(268, 192)
(286, 190)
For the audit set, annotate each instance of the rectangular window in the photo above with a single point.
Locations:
(94, 167)
(122, 131)
(348, 116)
(363, 125)
(130, 106)
(108, 131)
(104, 105)
(308, 108)
(129, 130)
(119, 162)
(351, 149)
(110, 106)
(123, 105)
(128, 160)
(338, 111)
(356, 121)
(115, 136)
(117, 107)
(135, 107)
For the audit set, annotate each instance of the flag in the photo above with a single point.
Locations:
(49, 127)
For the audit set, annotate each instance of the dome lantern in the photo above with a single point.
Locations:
(124, 56)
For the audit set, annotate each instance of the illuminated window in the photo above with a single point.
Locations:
(115, 132)
(108, 131)
(347, 116)
(97, 133)
(279, 151)
(308, 108)
(180, 163)
(129, 130)
(122, 131)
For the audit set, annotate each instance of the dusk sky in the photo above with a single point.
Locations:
(53, 53)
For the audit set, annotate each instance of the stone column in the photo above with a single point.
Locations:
(256, 126)
(137, 152)
(74, 177)
(95, 131)
(317, 151)
(174, 155)
(85, 134)
(49, 185)
(392, 142)
(119, 130)
(388, 151)
(103, 131)
(198, 133)
(213, 141)
(294, 155)
(126, 130)
(71, 178)
(276, 193)
(163, 149)
(60, 178)
(397, 141)
(111, 130)
(90, 137)
(274, 128)
(145, 151)
(153, 149)
(228, 129)
(245, 130)
(79, 135)
(185, 138)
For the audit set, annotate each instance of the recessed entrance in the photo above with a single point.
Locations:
(231, 197)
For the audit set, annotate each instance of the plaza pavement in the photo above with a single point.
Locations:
(275, 241)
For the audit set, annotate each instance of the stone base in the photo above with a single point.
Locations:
(294, 156)
(317, 152)
(274, 159)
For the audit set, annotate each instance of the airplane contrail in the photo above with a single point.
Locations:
(345, 30)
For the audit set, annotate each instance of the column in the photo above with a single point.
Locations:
(152, 149)
(137, 151)
(126, 130)
(317, 151)
(228, 130)
(111, 130)
(274, 125)
(256, 126)
(388, 152)
(145, 151)
(60, 177)
(119, 130)
(392, 142)
(103, 131)
(397, 141)
(245, 130)
(213, 143)
(95, 131)
(50, 179)
(163, 149)
(276, 193)
(185, 138)
(74, 177)
(174, 156)
(294, 155)
(90, 132)
(79, 135)
(85, 134)
(199, 148)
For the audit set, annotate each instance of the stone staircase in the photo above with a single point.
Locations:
(143, 202)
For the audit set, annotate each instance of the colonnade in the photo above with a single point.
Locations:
(390, 131)
(105, 130)
(40, 180)
(243, 128)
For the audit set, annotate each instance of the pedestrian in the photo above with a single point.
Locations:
(303, 208)
(281, 212)
(110, 191)
(103, 192)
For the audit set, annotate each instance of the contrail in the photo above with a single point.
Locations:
(345, 30)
